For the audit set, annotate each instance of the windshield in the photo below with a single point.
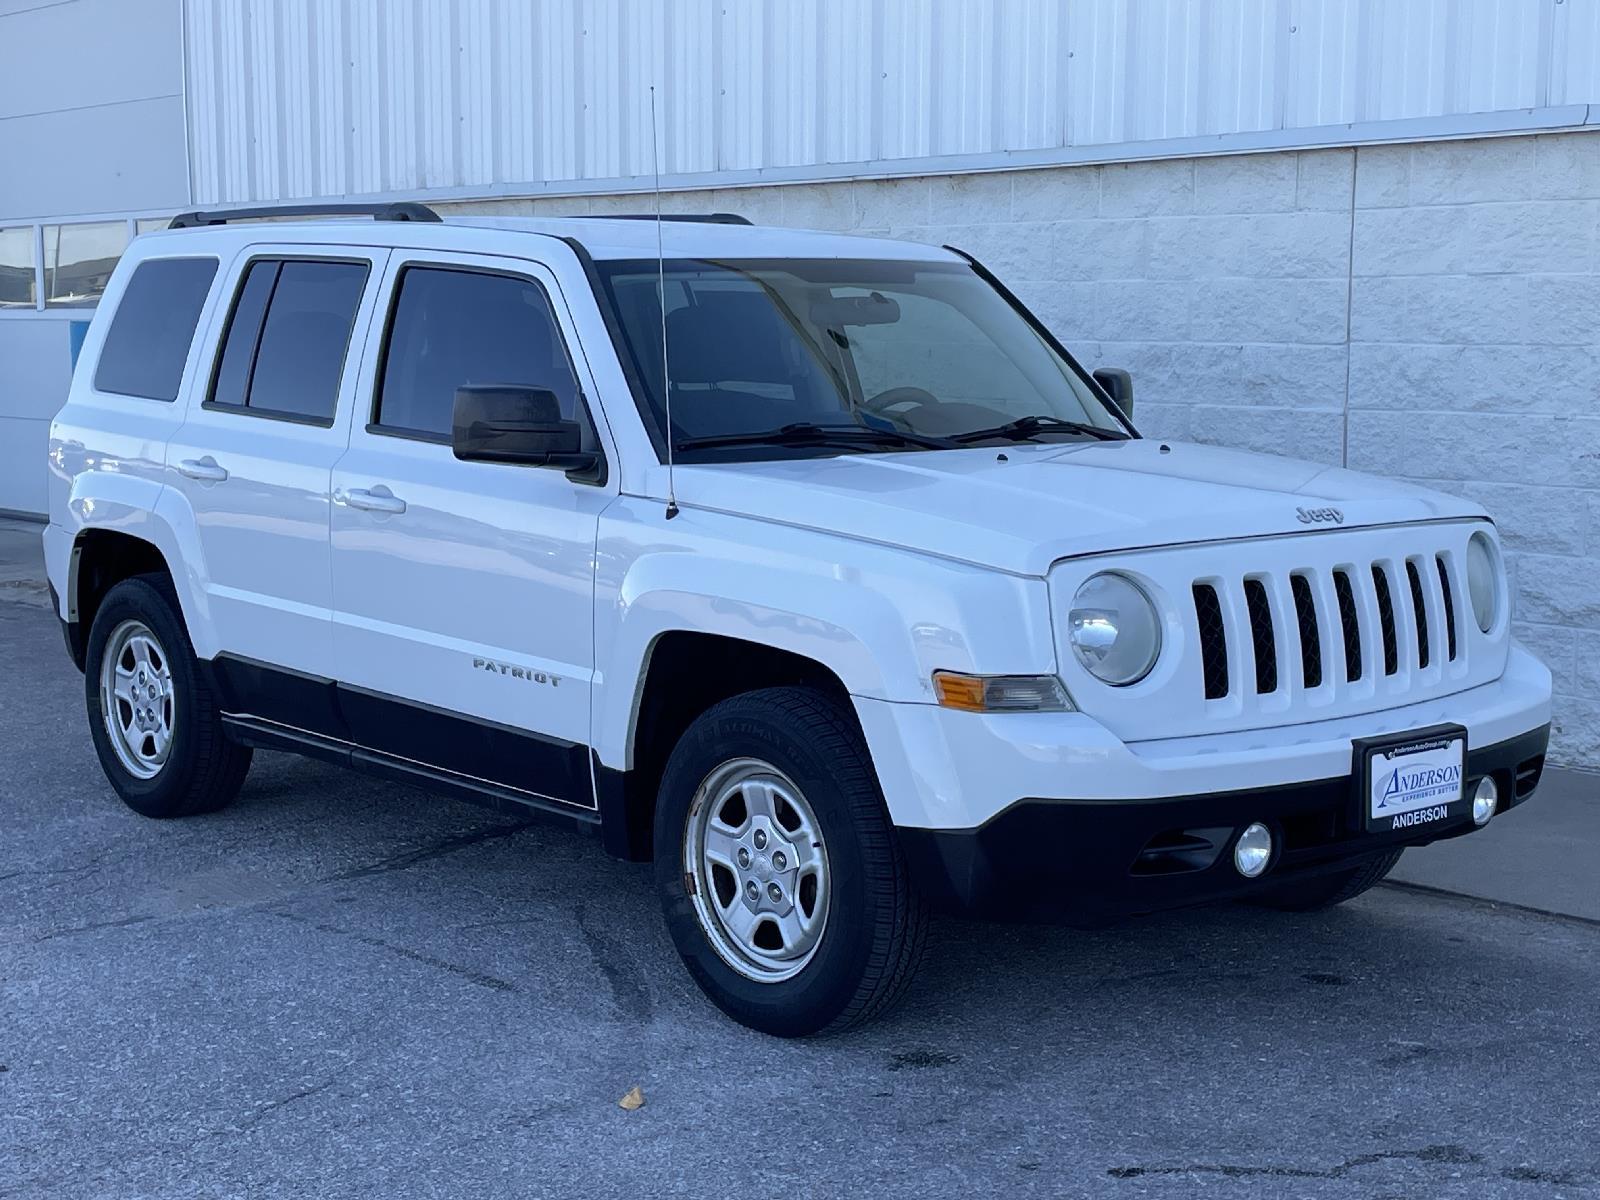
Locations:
(789, 357)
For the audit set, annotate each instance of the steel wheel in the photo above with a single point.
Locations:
(136, 698)
(754, 852)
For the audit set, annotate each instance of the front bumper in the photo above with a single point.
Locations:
(1091, 860)
(943, 769)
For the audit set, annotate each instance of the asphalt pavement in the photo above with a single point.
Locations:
(341, 987)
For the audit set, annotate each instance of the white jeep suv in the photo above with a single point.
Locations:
(810, 567)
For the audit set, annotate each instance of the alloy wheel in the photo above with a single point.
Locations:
(137, 699)
(757, 867)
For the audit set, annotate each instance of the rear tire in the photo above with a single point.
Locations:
(782, 882)
(152, 713)
(1325, 891)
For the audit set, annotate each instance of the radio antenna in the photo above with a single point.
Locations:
(661, 285)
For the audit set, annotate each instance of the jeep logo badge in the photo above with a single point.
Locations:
(1315, 516)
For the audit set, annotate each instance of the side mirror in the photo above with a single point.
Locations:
(1118, 384)
(507, 423)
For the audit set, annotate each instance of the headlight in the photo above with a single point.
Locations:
(1483, 580)
(1114, 629)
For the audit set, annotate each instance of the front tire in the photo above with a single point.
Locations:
(152, 713)
(782, 883)
(1326, 891)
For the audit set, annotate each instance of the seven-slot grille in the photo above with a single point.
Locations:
(1401, 612)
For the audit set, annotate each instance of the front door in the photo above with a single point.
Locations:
(463, 592)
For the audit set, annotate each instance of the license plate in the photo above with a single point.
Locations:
(1414, 781)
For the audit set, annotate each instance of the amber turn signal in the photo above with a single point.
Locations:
(1000, 693)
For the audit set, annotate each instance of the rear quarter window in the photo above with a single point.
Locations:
(154, 325)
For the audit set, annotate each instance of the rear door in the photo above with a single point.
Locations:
(255, 455)
(464, 591)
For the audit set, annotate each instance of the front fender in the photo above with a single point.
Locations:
(880, 619)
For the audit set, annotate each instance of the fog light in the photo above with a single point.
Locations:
(1484, 800)
(1253, 850)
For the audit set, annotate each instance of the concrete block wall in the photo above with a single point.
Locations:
(1429, 311)
(1475, 367)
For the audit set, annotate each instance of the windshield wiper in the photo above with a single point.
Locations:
(1026, 427)
(807, 433)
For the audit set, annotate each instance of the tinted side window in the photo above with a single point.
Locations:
(244, 333)
(456, 327)
(285, 349)
(149, 338)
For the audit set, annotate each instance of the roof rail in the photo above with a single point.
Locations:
(716, 218)
(404, 210)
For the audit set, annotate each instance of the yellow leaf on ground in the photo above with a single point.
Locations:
(634, 1099)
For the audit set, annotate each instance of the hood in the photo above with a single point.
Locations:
(1020, 508)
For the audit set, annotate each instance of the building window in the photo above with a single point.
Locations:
(17, 268)
(78, 259)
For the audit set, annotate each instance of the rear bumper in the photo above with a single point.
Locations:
(1090, 860)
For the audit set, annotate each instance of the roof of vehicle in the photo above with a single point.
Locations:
(620, 238)
(602, 237)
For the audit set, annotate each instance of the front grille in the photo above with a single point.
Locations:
(1349, 625)
(1341, 614)
(1265, 642)
(1419, 610)
(1305, 611)
(1213, 640)
(1449, 607)
(1391, 644)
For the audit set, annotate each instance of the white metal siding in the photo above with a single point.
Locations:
(348, 97)
(91, 108)
(333, 97)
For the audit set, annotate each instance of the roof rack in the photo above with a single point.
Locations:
(404, 210)
(716, 218)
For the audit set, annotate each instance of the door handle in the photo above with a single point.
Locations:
(204, 469)
(379, 499)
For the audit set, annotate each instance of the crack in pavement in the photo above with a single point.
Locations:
(87, 869)
(74, 930)
(1449, 1155)
(1525, 1174)
(1444, 1155)
(481, 978)
(266, 1110)
(399, 862)
(630, 997)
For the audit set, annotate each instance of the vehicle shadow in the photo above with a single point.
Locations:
(496, 875)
